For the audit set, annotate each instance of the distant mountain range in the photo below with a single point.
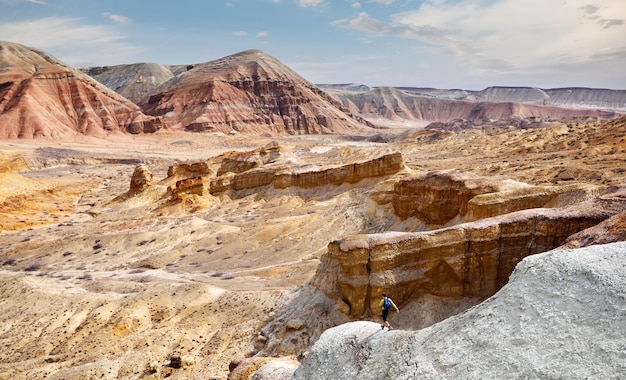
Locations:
(493, 103)
(248, 92)
(570, 97)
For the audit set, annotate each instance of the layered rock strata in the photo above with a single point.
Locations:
(188, 186)
(282, 177)
(467, 260)
(239, 162)
(249, 92)
(42, 97)
(189, 169)
(439, 198)
(136, 82)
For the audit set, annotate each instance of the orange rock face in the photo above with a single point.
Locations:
(439, 198)
(42, 97)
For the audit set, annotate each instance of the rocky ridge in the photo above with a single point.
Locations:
(136, 82)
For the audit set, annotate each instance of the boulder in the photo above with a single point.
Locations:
(141, 179)
(260, 368)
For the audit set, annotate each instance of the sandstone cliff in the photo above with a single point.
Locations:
(470, 260)
(447, 197)
(248, 92)
(42, 97)
(281, 177)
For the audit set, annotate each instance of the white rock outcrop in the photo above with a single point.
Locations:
(561, 316)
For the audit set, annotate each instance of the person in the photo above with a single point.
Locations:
(385, 305)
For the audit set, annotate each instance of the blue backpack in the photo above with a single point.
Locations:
(386, 303)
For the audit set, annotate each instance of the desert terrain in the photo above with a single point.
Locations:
(144, 253)
(97, 284)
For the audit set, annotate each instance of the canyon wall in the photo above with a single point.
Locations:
(470, 260)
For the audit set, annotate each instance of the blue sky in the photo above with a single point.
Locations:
(468, 44)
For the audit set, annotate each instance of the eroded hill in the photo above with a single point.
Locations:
(41, 97)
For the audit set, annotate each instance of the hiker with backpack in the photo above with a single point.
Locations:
(385, 305)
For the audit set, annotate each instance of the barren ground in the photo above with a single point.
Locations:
(95, 286)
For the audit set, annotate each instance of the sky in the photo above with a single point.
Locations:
(463, 44)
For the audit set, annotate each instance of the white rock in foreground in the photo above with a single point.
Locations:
(561, 316)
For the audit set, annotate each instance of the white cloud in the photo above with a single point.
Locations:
(356, 5)
(262, 34)
(505, 35)
(60, 37)
(117, 18)
(386, 2)
(240, 33)
(311, 3)
(12, 2)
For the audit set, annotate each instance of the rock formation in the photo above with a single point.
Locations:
(609, 231)
(561, 316)
(252, 246)
(239, 162)
(42, 97)
(181, 170)
(568, 97)
(188, 186)
(262, 369)
(249, 92)
(142, 178)
(284, 177)
(440, 198)
(471, 260)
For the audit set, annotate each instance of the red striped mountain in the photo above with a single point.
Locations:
(248, 92)
(42, 97)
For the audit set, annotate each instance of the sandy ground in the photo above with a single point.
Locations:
(97, 287)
